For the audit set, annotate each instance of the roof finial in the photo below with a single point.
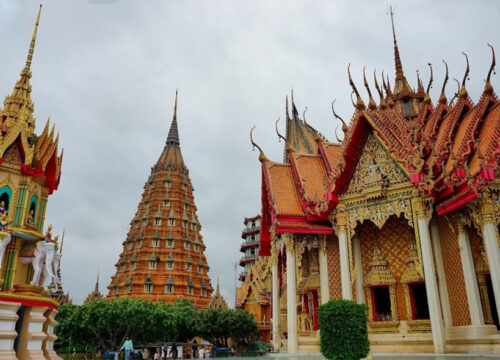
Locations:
(427, 97)
(371, 104)
(97, 283)
(286, 108)
(338, 140)
(262, 156)
(304, 116)
(280, 137)
(217, 290)
(390, 100)
(397, 59)
(33, 40)
(463, 91)
(173, 133)
(360, 105)
(488, 88)
(442, 98)
(345, 128)
(380, 94)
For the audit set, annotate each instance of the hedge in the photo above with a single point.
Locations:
(343, 329)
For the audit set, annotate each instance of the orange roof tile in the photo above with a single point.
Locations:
(332, 152)
(487, 145)
(312, 172)
(283, 189)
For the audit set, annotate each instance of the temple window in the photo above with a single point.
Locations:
(130, 245)
(418, 299)
(132, 266)
(157, 221)
(148, 288)
(30, 220)
(193, 226)
(200, 269)
(152, 264)
(184, 224)
(186, 245)
(115, 290)
(123, 267)
(381, 303)
(5, 195)
(196, 247)
(188, 267)
(203, 292)
(166, 202)
(186, 206)
(184, 187)
(169, 289)
(144, 222)
(156, 243)
(170, 265)
(127, 289)
(139, 243)
(136, 225)
(407, 106)
(253, 224)
(168, 183)
(170, 243)
(171, 222)
(190, 290)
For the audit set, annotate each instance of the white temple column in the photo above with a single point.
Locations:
(8, 334)
(323, 273)
(276, 301)
(291, 297)
(438, 335)
(441, 278)
(471, 287)
(345, 274)
(360, 290)
(493, 255)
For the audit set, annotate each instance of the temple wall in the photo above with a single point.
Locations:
(333, 255)
(394, 239)
(454, 274)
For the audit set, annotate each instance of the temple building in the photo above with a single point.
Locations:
(250, 245)
(254, 295)
(30, 170)
(163, 254)
(217, 300)
(94, 294)
(402, 215)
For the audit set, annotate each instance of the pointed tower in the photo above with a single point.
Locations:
(163, 254)
(95, 294)
(217, 301)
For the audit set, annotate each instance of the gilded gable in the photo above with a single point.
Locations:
(375, 171)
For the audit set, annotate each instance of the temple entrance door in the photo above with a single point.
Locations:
(315, 309)
(491, 299)
(418, 298)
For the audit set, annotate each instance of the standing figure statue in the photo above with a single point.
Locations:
(3, 246)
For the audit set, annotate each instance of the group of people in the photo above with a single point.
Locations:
(167, 352)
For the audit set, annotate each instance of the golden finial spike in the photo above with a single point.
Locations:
(360, 105)
(345, 128)
(175, 104)
(442, 98)
(379, 90)
(488, 88)
(262, 156)
(371, 104)
(280, 137)
(33, 40)
(397, 59)
(463, 91)
(427, 96)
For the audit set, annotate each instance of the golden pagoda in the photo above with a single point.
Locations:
(30, 170)
(162, 257)
(217, 300)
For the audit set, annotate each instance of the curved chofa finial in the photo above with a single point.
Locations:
(427, 97)
(262, 156)
(380, 94)
(371, 104)
(442, 98)
(338, 140)
(304, 116)
(458, 90)
(360, 105)
(345, 128)
(488, 88)
(280, 137)
(463, 91)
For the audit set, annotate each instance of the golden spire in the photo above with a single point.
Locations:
(360, 105)
(27, 68)
(463, 91)
(488, 88)
(399, 66)
(371, 104)
(442, 98)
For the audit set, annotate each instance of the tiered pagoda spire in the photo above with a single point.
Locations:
(163, 254)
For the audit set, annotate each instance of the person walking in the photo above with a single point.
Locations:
(128, 346)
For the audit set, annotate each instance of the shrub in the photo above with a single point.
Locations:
(343, 329)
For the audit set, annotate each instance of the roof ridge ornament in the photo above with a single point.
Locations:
(488, 89)
(345, 128)
(463, 91)
(442, 98)
(262, 156)
(427, 97)
(360, 105)
(397, 59)
(371, 104)
(380, 94)
(173, 133)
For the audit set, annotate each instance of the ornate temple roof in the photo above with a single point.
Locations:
(160, 236)
(217, 300)
(449, 150)
(95, 294)
(19, 145)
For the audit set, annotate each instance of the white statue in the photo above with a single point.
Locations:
(45, 263)
(3, 246)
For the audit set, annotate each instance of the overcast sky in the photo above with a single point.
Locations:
(106, 71)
